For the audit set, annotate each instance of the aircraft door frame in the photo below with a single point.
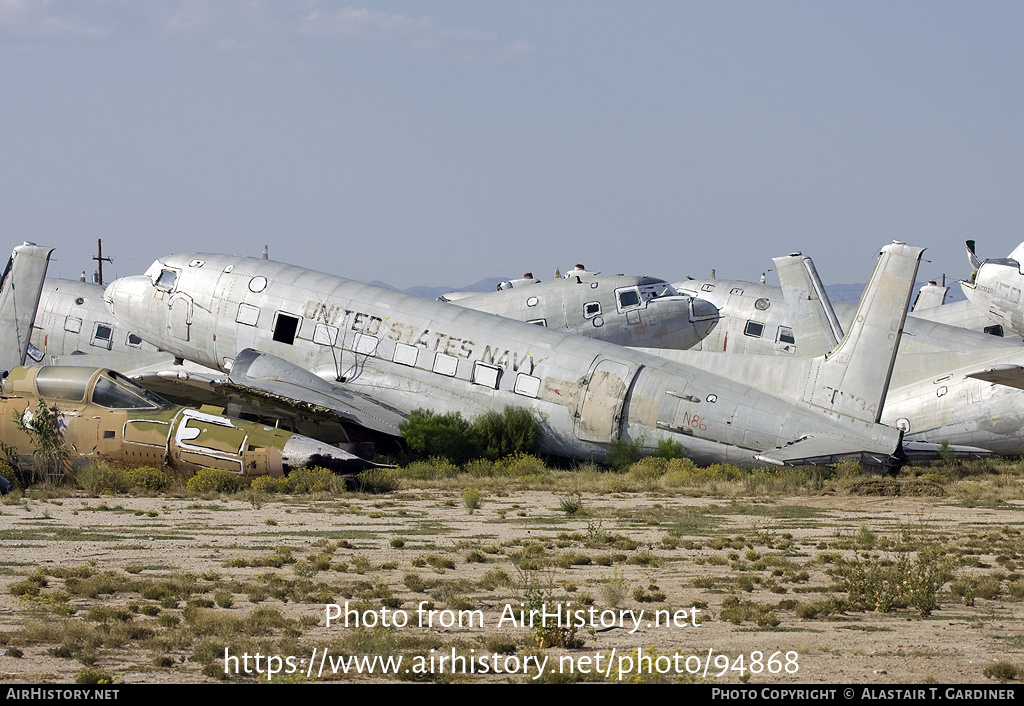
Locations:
(599, 416)
(179, 316)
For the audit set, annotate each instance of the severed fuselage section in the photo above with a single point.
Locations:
(103, 416)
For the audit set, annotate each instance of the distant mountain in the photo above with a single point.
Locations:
(489, 284)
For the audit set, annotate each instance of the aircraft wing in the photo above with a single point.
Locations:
(270, 383)
(1006, 374)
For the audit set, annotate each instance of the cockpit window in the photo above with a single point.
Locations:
(628, 298)
(166, 280)
(114, 391)
(654, 291)
(63, 383)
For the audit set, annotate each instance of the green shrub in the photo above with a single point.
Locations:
(269, 484)
(513, 431)
(622, 454)
(148, 478)
(214, 480)
(377, 480)
(471, 499)
(434, 468)
(315, 480)
(667, 449)
(448, 436)
(97, 480)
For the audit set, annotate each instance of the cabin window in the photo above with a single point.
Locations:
(532, 301)
(247, 314)
(538, 322)
(102, 335)
(754, 329)
(257, 284)
(591, 309)
(365, 345)
(445, 364)
(941, 391)
(285, 328)
(762, 304)
(133, 340)
(34, 353)
(405, 354)
(73, 324)
(196, 263)
(486, 375)
(707, 287)
(527, 385)
(996, 330)
(786, 335)
(598, 321)
(325, 334)
(736, 290)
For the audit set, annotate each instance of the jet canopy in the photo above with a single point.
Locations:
(105, 388)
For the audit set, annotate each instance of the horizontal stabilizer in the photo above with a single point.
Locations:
(1006, 374)
(821, 450)
(922, 451)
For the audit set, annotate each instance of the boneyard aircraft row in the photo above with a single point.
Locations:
(375, 355)
(948, 384)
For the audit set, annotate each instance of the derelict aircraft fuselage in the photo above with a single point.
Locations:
(408, 353)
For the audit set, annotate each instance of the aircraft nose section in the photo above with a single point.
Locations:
(705, 316)
(125, 295)
(304, 452)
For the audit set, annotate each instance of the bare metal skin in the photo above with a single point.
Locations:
(381, 354)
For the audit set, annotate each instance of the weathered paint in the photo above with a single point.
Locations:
(743, 422)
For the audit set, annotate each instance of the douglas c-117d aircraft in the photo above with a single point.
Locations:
(376, 355)
(628, 310)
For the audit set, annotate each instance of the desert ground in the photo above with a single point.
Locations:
(871, 581)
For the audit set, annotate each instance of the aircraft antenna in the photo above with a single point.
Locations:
(100, 259)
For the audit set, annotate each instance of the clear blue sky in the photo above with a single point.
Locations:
(439, 143)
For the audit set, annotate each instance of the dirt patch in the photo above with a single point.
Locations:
(155, 589)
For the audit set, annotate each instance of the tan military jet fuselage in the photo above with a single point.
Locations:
(104, 417)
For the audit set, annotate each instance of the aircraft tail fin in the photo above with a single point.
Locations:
(853, 378)
(815, 325)
(929, 296)
(20, 288)
(971, 256)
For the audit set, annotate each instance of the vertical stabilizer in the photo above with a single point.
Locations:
(815, 325)
(20, 288)
(853, 378)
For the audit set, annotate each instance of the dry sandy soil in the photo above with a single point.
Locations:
(645, 552)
